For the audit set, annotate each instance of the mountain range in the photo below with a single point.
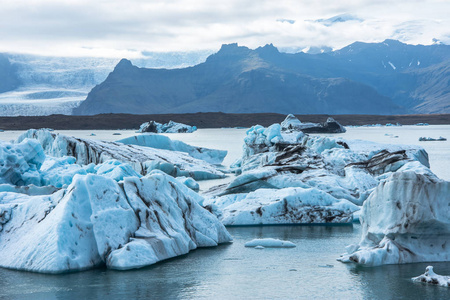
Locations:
(363, 78)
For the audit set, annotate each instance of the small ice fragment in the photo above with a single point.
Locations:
(273, 243)
(259, 247)
(432, 278)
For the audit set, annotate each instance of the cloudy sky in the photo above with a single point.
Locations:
(118, 28)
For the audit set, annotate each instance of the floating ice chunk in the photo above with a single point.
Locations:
(432, 278)
(171, 127)
(270, 243)
(405, 220)
(291, 123)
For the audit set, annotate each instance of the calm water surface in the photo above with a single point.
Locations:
(309, 271)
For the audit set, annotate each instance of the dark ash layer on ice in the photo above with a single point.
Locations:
(289, 177)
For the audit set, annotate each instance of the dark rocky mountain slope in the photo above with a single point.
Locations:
(381, 78)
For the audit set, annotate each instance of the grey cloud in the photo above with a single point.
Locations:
(201, 24)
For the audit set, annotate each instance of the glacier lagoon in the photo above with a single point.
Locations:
(233, 271)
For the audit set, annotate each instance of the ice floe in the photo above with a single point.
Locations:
(171, 127)
(269, 243)
(330, 126)
(432, 278)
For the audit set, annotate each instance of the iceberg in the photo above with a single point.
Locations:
(291, 123)
(157, 141)
(171, 127)
(281, 206)
(98, 221)
(322, 179)
(432, 278)
(141, 159)
(270, 243)
(405, 220)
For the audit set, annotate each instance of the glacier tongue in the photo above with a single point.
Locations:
(99, 221)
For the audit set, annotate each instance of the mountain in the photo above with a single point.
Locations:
(237, 80)
(409, 75)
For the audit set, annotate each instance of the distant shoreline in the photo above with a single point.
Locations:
(203, 120)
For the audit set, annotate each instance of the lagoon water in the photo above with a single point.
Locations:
(231, 271)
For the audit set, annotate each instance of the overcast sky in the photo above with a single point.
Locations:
(124, 28)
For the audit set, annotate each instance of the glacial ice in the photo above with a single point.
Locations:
(432, 278)
(312, 173)
(291, 123)
(96, 221)
(141, 159)
(171, 127)
(282, 206)
(157, 141)
(270, 243)
(405, 220)
(19, 163)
